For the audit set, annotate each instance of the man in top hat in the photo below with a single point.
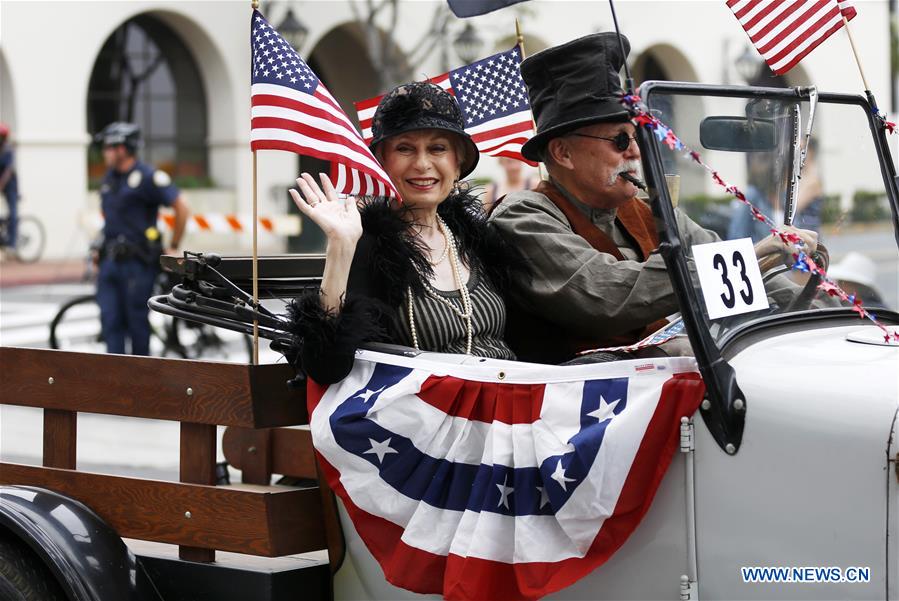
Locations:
(596, 279)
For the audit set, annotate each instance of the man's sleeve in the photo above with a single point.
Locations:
(575, 285)
(163, 191)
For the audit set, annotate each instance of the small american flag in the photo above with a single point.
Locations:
(494, 103)
(292, 110)
(784, 31)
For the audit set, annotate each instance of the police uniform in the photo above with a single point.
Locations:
(11, 192)
(130, 255)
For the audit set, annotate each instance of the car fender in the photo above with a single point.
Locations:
(86, 556)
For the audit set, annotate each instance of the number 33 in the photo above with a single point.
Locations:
(729, 298)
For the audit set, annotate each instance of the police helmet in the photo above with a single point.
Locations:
(120, 132)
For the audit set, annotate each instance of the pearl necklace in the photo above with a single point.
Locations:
(467, 311)
(445, 248)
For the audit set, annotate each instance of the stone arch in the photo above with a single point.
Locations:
(7, 94)
(665, 59)
(211, 104)
(666, 63)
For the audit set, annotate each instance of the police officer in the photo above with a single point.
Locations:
(9, 187)
(131, 192)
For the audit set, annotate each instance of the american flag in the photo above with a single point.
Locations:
(292, 110)
(494, 102)
(497, 480)
(784, 31)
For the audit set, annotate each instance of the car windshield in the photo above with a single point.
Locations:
(841, 194)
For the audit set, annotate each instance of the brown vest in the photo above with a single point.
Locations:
(636, 221)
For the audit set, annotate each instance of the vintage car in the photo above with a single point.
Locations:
(786, 488)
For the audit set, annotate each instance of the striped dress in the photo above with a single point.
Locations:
(441, 330)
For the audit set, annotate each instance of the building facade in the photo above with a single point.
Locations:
(182, 70)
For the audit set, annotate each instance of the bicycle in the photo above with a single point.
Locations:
(77, 327)
(29, 240)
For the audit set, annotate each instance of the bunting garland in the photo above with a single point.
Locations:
(801, 261)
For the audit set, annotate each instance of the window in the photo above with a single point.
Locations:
(146, 75)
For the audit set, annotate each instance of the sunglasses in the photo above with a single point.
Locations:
(622, 140)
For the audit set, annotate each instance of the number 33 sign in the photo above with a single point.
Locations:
(729, 277)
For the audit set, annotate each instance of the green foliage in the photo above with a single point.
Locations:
(830, 209)
(699, 203)
(194, 181)
(868, 206)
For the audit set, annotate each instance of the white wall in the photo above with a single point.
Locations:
(48, 49)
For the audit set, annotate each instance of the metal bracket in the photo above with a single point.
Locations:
(687, 444)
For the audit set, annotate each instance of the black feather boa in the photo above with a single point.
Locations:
(389, 258)
(398, 257)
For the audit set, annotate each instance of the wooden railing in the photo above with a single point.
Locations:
(251, 517)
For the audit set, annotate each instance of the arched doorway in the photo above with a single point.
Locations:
(7, 97)
(342, 61)
(145, 74)
(664, 62)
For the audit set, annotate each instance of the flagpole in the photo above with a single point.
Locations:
(520, 41)
(255, 5)
(855, 52)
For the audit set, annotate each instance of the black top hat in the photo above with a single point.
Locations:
(574, 85)
(422, 105)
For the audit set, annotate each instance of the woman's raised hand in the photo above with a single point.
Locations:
(337, 217)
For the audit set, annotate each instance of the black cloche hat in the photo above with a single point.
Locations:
(422, 105)
(574, 85)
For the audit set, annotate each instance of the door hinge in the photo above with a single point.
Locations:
(686, 435)
(689, 591)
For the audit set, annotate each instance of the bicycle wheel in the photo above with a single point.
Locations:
(200, 341)
(76, 326)
(29, 239)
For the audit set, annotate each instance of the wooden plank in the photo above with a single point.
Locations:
(60, 438)
(255, 455)
(291, 452)
(268, 521)
(170, 389)
(197, 467)
(279, 405)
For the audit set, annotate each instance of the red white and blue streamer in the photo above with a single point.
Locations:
(801, 261)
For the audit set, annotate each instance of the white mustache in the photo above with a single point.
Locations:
(631, 165)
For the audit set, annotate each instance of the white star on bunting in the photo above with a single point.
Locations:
(606, 409)
(504, 491)
(365, 396)
(544, 496)
(559, 476)
(380, 449)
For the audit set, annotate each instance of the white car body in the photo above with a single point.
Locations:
(813, 486)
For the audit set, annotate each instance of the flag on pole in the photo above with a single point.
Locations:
(494, 102)
(292, 110)
(498, 480)
(784, 32)
(472, 8)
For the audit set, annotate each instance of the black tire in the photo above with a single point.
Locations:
(201, 341)
(76, 326)
(30, 239)
(23, 575)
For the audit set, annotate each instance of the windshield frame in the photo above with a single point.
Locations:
(724, 413)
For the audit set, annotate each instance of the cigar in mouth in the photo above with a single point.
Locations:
(630, 178)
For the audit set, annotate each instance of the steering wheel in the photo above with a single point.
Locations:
(773, 265)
